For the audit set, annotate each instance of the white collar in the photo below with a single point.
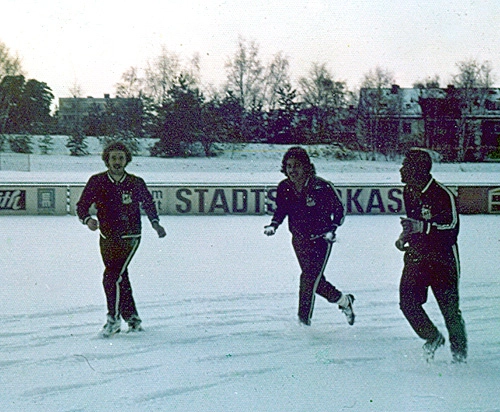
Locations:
(427, 185)
(119, 180)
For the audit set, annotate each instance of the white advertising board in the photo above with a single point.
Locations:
(256, 199)
(33, 199)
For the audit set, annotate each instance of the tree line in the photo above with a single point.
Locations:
(257, 103)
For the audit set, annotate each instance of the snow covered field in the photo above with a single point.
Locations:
(218, 300)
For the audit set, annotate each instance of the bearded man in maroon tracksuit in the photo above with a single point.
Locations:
(118, 195)
(314, 212)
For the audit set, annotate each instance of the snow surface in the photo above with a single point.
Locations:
(237, 163)
(218, 301)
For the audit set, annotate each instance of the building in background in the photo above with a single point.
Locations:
(104, 116)
(461, 124)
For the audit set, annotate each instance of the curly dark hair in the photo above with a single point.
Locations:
(116, 146)
(300, 154)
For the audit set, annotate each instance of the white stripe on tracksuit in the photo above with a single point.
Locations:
(316, 283)
(457, 260)
(135, 245)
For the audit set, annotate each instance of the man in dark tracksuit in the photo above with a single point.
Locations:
(118, 196)
(314, 212)
(429, 239)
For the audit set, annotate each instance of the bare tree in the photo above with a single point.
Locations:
(76, 89)
(10, 65)
(245, 75)
(324, 100)
(374, 103)
(427, 83)
(131, 84)
(378, 78)
(472, 74)
(276, 78)
(192, 73)
(321, 90)
(160, 74)
(472, 83)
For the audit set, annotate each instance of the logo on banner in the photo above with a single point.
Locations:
(494, 200)
(12, 199)
(46, 201)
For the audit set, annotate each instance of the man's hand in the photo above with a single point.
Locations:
(269, 230)
(411, 226)
(401, 243)
(92, 224)
(330, 236)
(159, 229)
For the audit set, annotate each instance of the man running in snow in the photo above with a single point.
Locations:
(118, 196)
(314, 212)
(429, 240)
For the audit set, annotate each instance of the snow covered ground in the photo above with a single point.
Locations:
(238, 163)
(219, 299)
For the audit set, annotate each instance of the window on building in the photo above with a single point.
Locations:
(407, 127)
(492, 105)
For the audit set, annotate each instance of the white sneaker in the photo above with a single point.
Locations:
(111, 327)
(345, 305)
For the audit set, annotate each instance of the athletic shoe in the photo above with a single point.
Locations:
(134, 324)
(111, 327)
(432, 345)
(345, 305)
(459, 357)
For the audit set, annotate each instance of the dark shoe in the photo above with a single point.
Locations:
(459, 357)
(432, 345)
(134, 324)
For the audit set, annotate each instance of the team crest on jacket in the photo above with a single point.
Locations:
(126, 198)
(310, 201)
(426, 212)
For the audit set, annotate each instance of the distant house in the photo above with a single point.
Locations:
(389, 119)
(92, 115)
(461, 124)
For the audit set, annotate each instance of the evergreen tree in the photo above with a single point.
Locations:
(25, 106)
(21, 144)
(46, 144)
(179, 120)
(77, 144)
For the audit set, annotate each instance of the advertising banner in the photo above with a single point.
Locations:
(373, 199)
(257, 199)
(212, 200)
(238, 199)
(494, 200)
(202, 199)
(33, 200)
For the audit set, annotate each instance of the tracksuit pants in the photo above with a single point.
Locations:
(313, 256)
(116, 254)
(441, 273)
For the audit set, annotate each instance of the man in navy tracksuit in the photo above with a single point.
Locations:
(314, 212)
(118, 196)
(429, 240)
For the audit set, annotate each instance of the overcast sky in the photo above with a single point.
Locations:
(93, 42)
